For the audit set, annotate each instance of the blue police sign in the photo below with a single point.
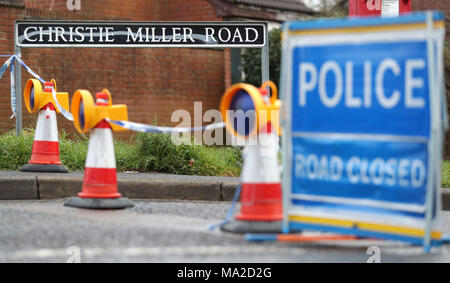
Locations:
(379, 93)
(363, 126)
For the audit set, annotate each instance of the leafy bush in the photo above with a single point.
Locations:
(251, 60)
(445, 174)
(148, 153)
(159, 154)
(15, 151)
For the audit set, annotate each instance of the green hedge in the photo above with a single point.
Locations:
(145, 153)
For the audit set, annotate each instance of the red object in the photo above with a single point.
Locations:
(49, 106)
(101, 99)
(361, 8)
(315, 238)
(103, 124)
(267, 128)
(48, 86)
(45, 152)
(261, 202)
(99, 183)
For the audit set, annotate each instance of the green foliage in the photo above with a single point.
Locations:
(251, 60)
(15, 151)
(73, 152)
(159, 154)
(148, 153)
(445, 174)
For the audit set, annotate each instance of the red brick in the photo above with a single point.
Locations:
(152, 82)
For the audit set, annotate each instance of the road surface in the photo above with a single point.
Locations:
(165, 231)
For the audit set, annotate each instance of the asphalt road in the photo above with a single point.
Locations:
(162, 231)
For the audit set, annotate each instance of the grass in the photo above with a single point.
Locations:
(143, 153)
(445, 175)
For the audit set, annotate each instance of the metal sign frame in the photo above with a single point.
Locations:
(264, 46)
(434, 144)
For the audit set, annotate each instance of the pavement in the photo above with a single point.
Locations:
(16, 185)
(167, 231)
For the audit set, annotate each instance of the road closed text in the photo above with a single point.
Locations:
(402, 172)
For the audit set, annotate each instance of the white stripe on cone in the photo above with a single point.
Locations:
(261, 161)
(101, 149)
(47, 127)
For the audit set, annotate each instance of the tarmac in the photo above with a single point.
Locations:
(16, 185)
(172, 231)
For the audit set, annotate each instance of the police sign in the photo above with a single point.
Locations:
(363, 126)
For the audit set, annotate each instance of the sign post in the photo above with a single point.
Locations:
(363, 126)
(101, 34)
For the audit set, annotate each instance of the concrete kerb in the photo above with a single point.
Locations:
(18, 188)
(18, 185)
(15, 185)
(445, 198)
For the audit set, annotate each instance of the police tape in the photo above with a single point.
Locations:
(63, 111)
(10, 62)
(138, 127)
(133, 126)
(31, 72)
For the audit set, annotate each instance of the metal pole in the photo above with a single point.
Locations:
(265, 75)
(18, 81)
(285, 117)
(434, 135)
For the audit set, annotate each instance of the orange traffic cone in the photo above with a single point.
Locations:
(261, 201)
(99, 190)
(45, 152)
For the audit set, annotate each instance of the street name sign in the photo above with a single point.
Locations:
(363, 126)
(140, 34)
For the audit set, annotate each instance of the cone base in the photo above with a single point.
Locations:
(54, 168)
(241, 227)
(97, 203)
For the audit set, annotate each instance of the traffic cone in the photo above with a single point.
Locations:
(99, 189)
(261, 201)
(45, 152)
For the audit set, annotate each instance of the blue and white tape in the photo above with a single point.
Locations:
(125, 124)
(138, 127)
(10, 62)
(227, 219)
(31, 72)
(63, 111)
(133, 126)
(13, 89)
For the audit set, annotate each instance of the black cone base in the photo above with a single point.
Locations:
(30, 167)
(241, 227)
(99, 203)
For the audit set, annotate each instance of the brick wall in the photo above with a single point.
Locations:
(153, 82)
